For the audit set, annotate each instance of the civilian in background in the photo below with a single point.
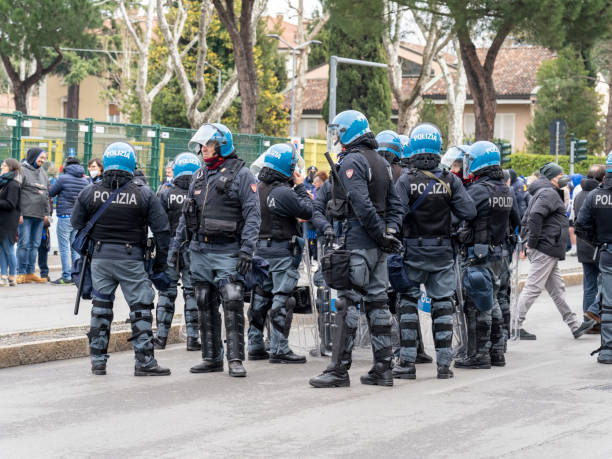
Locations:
(169, 177)
(520, 191)
(67, 188)
(10, 191)
(545, 228)
(35, 211)
(95, 168)
(311, 173)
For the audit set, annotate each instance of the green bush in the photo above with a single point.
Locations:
(525, 164)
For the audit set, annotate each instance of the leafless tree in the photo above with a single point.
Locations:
(456, 89)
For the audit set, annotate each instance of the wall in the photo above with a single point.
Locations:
(519, 113)
(90, 104)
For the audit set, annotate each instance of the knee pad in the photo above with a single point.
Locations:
(140, 312)
(478, 282)
(441, 307)
(381, 322)
(232, 295)
(370, 306)
(202, 294)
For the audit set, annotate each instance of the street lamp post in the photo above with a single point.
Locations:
(294, 49)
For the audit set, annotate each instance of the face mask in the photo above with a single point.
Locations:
(94, 174)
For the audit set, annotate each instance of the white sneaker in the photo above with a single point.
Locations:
(4, 282)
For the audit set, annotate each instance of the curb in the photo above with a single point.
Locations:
(47, 350)
(68, 348)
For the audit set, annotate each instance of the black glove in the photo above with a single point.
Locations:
(389, 243)
(330, 235)
(245, 263)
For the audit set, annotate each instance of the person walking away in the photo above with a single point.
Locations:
(545, 228)
(67, 187)
(10, 196)
(35, 211)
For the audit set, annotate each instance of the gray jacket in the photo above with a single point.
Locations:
(34, 192)
(545, 224)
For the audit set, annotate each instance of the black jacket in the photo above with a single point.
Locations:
(545, 224)
(10, 197)
(584, 250)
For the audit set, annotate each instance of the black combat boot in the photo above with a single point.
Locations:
(379, 375)
(193, 344)
(236, 369)
(289, 357)
(259, 354)
(404, 370)
(481, 360)
(524, 335)
(207, 366)
(155, 370)
(98, 369)
(444, 372)
(159, 342)
(336, 373)
(497, 358)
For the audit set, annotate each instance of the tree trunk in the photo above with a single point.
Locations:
(242, 34)
(72, 104)
(609, 115)
(20, 97)
(480, 78)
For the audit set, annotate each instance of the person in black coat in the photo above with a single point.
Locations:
(10, 197)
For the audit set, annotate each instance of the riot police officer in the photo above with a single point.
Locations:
(283, 200)
(363, 198)
(430, 196)
(594, 224)
(453, 159)
(483, 238)
(172, 197)
(119, 238)
(221, 215)
(390, 148)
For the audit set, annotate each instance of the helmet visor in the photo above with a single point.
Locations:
(333, 136)
(467, 164)
(206, 133)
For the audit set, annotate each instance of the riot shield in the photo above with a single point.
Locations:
(514, 293)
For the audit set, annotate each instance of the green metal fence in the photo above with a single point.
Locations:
(155, 145)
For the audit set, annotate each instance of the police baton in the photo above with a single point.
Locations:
(81, 282)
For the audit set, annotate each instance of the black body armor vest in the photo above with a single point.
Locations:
(378, 186)
(602, 214)
(176, 196)
(432, 218)
(491, 226)
(220, 211)
(125, 220)
(273, 226)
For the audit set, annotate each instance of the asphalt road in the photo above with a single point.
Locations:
(551, 400)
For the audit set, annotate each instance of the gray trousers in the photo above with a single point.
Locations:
(544, 274)
(106, 276)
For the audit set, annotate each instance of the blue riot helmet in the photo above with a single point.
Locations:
(212, 132)
(389, 141)
(282, 158)
(454, 154)
(480, 155)
(609, 162)
(119, 156)
(185, 164)
(425, 138)
(345, 128)
(406, 151)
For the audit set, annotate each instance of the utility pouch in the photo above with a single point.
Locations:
(335, 267)
(190, 211)
(481, 251)
(336, 209)
(303, 301)
(216, 227)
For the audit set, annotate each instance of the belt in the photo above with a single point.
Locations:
(275, 244)
(215, 239)
(428, 242)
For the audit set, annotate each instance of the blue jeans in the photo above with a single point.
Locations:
(8, 260)
(590, 273)
(65, 238)
(30, 233)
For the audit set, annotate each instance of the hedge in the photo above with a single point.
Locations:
(525, 164)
